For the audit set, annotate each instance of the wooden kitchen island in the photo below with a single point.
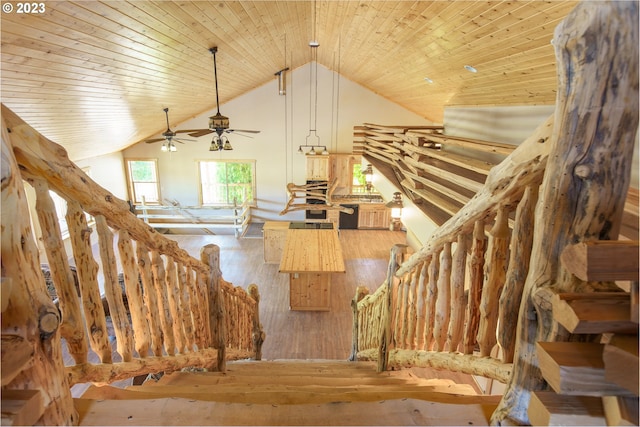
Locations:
(312, 253)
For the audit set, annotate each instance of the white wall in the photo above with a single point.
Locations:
(284, 123)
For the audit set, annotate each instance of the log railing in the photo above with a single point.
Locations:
(447, 296)
(564, 185)
(169, 310)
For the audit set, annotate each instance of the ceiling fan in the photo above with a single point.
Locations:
(169, 136)
(218, 123)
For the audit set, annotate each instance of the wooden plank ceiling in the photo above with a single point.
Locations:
(95, 75)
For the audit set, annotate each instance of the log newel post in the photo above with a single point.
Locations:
(30, 316)
(361, 292)
(257, 333)
(385, 339)
(210, 255)
(587, 177)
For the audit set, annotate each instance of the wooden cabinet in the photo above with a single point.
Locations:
(341, 169)
(373, 215)
(317, 168)
(274, 235)
(310, 291)
(334, 217)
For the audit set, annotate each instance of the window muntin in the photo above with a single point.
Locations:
(142, 175)
(226, 182)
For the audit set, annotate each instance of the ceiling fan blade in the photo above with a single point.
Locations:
(182, 140)
(201, 132)
(190, 130)
(242, 130)
(150, 141)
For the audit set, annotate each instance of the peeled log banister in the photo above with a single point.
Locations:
(141, 335)
(458, 301)
(39, 157)
(87, 269)
(397, 251)
(29, 300)
(113, 291)
(505, 184)
(443, 300)
(519, 257)
(72, 327)
(476, 268)
(160, 287)
(583, 193)
(150, 298)
(495, 273)
(455, 362)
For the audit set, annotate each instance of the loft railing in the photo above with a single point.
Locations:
(179, 312)
(566, 184)
(436, 310)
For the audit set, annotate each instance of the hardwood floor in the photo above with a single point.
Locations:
(300, 334)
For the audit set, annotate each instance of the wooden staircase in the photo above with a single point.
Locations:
(288, 392)
(594, 383)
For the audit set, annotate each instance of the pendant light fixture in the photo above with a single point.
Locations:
(313, 96)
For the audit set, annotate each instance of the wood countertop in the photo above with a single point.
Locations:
(312, 251)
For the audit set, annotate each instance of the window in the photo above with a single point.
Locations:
(226, 182)
(143, 181)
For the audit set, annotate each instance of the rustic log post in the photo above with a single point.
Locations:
(361, 292)
(87, 269)
(197, 311)
(413, 310)
(72, 327)
(173, 293)
(584, 188)
(210, 255)
(458, 301)
(476, 278)
(495, 272)
(150, 298)
(402, 322)
(30, 312)
(133, 290)
(385, 338)
(160, 287)
(521, 241)
(186, 311)
(113, 291)
(422, 303)
(443, 301)
(257, 333)
(432, 295)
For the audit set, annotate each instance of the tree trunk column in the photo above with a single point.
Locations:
(588, 171)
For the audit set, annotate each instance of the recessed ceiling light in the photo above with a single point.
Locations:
(428, 80)
(470, 69)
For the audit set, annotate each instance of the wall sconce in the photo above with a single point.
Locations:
(368, 177)
(396, 206)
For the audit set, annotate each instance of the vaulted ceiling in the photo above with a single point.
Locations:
(94, 75)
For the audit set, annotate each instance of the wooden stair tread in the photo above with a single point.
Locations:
(547, 408)
(576, 368)
(276, 394)
(178, 411)
(21, 407)
(216, 378)
(594, 313)
(603, 260)
(621, 362)
(621, 411)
